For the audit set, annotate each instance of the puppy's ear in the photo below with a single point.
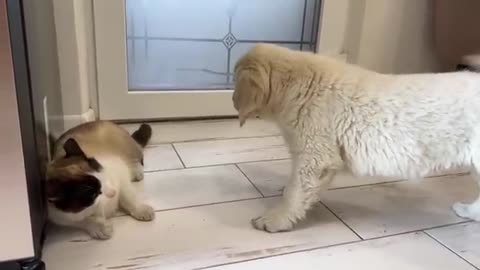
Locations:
(72, 149)
(251, 92)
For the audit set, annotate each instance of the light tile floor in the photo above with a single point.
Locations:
(207, 179)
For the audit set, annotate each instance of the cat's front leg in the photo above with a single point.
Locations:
(97, 227)
(135, 207)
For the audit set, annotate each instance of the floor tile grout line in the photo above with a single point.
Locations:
(368, 184)
(205, 204)
(418, 230)
(217, 165)
(277, 255)
(281, 159)
(397, 181)
(449, 249)
(215, 139)
(284, 159)
(448, 225)
(249, 180)
(275, 196)
(332, 246)
(342, 221)
(178, 155)
(237, 162)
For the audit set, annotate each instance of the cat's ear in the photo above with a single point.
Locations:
(72, 149)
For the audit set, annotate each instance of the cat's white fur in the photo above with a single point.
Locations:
(116, 179)
(335, 116)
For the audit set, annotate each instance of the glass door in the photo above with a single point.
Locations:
(175, 58)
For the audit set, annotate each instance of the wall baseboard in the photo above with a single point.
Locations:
(73, 120)
(343, 57)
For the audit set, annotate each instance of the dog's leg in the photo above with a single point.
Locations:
(470, 211)
(299, 195)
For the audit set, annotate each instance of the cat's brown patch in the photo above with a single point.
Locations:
(70, 185)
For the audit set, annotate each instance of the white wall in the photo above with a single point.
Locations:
(43, 63)
(333, 26)
(393, 36)
(74, 30)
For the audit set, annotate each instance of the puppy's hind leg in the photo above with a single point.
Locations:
(309, 178)
(472, 210)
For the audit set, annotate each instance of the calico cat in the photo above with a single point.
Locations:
(90, 175)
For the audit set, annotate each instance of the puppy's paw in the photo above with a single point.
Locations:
(101, 231)
(144, 212)
(469, 211)
(275, 220)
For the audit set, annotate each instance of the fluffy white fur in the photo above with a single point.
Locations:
(117, 192)
(336, 116)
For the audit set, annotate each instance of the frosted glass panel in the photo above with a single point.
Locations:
(194, 44)
(242, 48)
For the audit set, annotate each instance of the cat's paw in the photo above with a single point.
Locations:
(101, 231)
(144, 212)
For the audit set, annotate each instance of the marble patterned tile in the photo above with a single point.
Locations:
(161, 157)
(167, 132)
(414, 251)
(205, 153)
(392, 208)
(190, 238)
(271, 176)
(463, 239)
(196, 186)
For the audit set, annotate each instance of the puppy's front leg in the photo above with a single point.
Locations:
(472, 210)
(307, 181)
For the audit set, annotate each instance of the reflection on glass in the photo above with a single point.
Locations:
(194, 44)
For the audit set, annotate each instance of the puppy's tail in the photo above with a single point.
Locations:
(143, 135)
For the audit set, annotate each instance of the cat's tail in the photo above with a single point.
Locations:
(471, 62)
(143, 135)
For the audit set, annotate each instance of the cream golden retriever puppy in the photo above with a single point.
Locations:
(337, 116)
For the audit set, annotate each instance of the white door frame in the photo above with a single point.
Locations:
(117, 103)
(110, 29)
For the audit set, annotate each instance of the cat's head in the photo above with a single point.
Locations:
(71, 184)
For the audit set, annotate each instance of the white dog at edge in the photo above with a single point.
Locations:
(337, 116)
